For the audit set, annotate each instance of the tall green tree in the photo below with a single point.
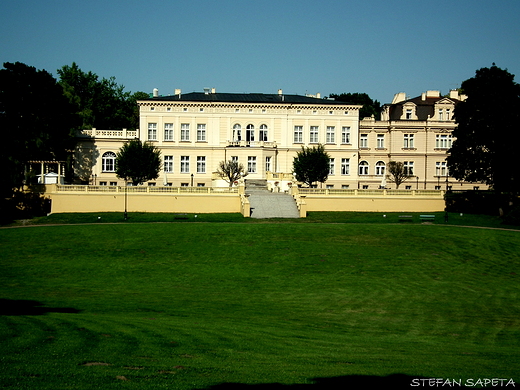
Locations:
(101, 103)
(138, 162)
(487, 133)
(311, 165)
(370, 107)
(36, 119)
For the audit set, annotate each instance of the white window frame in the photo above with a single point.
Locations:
(331, 166)
(314, 134)
(152, 131)
(380, 168)
(263, 133)
(331, 134)
(168, 132)
(268, 164)
(443, 141)
(201, 164)
(168, 164)
(364, 168)
(298, 134)
(380, 141)
(201, 132)
(345, 135)
(441, 168)
(185, 164)
(345, 166)
(108, 162)
(237, 132)
(185, 131)
(408, 168)
(408, 141)
(251, 164)
(363, 141)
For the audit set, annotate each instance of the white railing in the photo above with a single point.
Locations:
(93, 133)
(146, 189)
(379, 193)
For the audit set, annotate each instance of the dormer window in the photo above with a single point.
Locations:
(409, 111)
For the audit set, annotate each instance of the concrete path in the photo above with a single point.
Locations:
(265, 204)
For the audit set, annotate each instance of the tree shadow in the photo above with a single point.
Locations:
(21, 307)
(394, 381)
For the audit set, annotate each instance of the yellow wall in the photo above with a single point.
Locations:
(373, 204)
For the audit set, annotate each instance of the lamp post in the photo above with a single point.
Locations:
(126, 200)
(192, 179)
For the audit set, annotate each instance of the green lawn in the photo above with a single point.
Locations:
(194, 305)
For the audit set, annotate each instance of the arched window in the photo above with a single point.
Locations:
(263, 132)
(250, 133)
(237, 132)
(380, 168)
(363, 168)
(109, 162)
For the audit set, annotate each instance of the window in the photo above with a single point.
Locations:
(185, 132)
(237, 132)
(365, 186)
(263, 133)
(268, 164)
(380, 141)
(345, 166)
(102, 183)
(408, 168)
(330, 186)
(113, 183)
(168, 164)
(109, 162)
(201, 164)
(168, 131)
(298, 134)
(345, 186)
(185, 164)
(443, 141)
(363, 141)
(408, 187)
(251, 164)
(331, 130)
(234, 158)
(313, 135)
(440, 114)
(408, 113)
(345, 135)
(152, 131)
(250, 133)
(201, 132)
(448, 114)
(331, 166)
(408, 141)
(363, 168)
(380, 168)
(441, 169)
(201, 184)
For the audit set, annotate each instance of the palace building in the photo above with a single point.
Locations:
(197, 130)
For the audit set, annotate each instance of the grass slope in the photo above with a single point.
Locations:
(193, 305)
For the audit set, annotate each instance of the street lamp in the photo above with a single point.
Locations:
(126, 200)
(192, 179)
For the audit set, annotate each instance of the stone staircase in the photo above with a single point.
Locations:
(266, 204)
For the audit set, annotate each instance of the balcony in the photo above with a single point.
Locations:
(251, 144)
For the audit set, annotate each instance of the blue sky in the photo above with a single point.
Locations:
(372, 46)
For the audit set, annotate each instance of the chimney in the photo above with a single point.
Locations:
(213, 90)
(155, 92)
(280, 92)
(178, 92)
(318, 95)
(423, 96)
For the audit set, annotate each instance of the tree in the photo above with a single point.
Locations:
(311, 165)
(397, 173)
(138, 162)
(231, 171)
(487, 134)
(101, 103)
(370, 107)
(37, 120)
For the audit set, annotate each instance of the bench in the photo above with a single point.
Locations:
(180, 216)
(405, 218)
(427, 217)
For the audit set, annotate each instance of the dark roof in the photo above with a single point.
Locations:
(425, 108)
(245, 98)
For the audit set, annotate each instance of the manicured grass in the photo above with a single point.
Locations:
(193, 305)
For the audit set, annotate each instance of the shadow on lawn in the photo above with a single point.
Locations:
(20, 307)
(395, 381)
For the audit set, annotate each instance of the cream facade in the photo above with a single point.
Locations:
(195, 131)
(417, 132)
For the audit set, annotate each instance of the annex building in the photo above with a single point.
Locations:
(195, 131)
